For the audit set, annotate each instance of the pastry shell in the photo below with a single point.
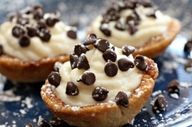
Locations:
(154, 46)
(103, 114)
(157, 45)
(28, 71)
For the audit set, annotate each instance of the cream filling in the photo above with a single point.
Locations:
(123, 81)
(59, 43)
(147, 28)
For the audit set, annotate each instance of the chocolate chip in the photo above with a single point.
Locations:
(72, 34)
(152, 15)
(72, 89)
(140, 63)
(41, 25)
(160, 104)
(112, 14)
(54, 78)
(102, 45)
(100, 93)
(105, 30)
(188, 66)
(83, 63)
(124, 64)
(188, 46)
(173, 88)
(88, 78)
(31, 32)
(127, 50)
(145, 3)
(109, 55)
(24, 41)
(132, 28)
(111, 69)
(79, 49)
(44, 123)
(1, 50)
(120, 26)
(91, 39)
(38, 13)
(17, 31)
(51, 21)
(73, 61)
(44, 35)
(122, 99)
(130, 18)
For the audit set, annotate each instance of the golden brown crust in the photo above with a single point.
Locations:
(106, 114)
(32, 71)
(157, 46)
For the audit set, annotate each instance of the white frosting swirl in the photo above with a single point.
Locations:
(147, 28)
(59, 43)
(124, 81)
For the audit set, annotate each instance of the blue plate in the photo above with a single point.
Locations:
(21, 104)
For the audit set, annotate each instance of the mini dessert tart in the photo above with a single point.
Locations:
(101, 85)
(31, 42)
(136, 23)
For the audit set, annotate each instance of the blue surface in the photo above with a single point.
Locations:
(170, 67)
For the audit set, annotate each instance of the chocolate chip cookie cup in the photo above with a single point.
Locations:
(101, 85)
(136, 23)
(31, 42)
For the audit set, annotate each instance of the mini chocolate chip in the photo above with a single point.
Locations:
(124, 64)
(88, 78)
(173, 87)
(1, 49)
(122, 99)
(188, 46)
(145, 3)
(152, 15)
(140, 63)
(24, 41)
(120, 26)
(111, 69)
(72, 89)
(91, 39)
(79, 49)
(38, 13)
(100, 93)
(73, 61)
(132, 28)
(72, 34)
(54, 78)
(51, 21)
(130, 18)
(44, 123)
(102, 45)
(109, 55)
(105, 30)
(31, 31)
(17, 31)
(160, 104)
(44, 35)
(41, 25)
(127, 50)
(188, 66)
(83, 63)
